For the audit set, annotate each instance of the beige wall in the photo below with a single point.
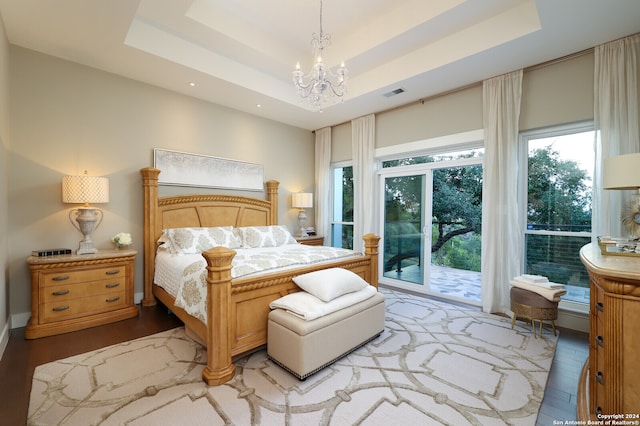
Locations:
(554, 94)
(4, 177)
(67, 118)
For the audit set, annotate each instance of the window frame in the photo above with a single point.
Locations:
(332, 222)
(523, 151)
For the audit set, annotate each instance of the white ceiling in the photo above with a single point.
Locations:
(240, 53)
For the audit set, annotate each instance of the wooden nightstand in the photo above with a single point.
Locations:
(311, 240)
(72, 292)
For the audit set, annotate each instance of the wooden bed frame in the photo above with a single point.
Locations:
(238, 324)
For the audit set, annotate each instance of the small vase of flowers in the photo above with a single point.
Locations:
(122, 240)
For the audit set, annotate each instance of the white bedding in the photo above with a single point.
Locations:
(184, 275)
(308, 307)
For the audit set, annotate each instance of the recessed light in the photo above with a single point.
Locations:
(259, 105)
(192, 84)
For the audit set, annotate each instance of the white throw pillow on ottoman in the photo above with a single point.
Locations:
(327, 284)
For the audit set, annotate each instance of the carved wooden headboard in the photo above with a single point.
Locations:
(196, 210)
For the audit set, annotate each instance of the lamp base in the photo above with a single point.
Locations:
(87, 218)
(87, 248)
(302, 221)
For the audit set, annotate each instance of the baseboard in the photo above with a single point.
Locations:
(137, 298)
(573, 320)
(20, 320)
(4, 338)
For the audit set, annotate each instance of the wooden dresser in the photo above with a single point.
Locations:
(72, 292)
(610, 380)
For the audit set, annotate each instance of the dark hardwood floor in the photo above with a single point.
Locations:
(560, 395)
(22, 356)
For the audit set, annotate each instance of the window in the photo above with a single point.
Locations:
(342, 217)
(559, 170)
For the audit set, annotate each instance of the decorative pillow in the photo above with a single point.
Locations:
(328, 284)
(164, 243)
(197, 240)
(265, 236)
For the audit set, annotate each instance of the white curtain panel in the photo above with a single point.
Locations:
(363, 133)
(323, 182)
(616, 122)
(502, 236)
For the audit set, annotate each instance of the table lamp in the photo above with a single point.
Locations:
(621, 172)
(302, 200)
(85, 189)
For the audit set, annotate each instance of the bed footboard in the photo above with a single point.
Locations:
(238, 323)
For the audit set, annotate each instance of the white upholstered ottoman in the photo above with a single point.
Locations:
(304, 347)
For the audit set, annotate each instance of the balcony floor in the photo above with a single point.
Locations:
(465, 285)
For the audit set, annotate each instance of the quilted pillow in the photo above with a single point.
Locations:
(265, 236)
(197, 240)
(327, 284)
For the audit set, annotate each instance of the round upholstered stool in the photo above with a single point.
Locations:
(534, 307)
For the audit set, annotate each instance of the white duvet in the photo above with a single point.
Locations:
(184, 275)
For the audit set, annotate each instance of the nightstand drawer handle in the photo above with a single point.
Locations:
(599, 307)
(599, 341)
(112, 285)
(60, 308)
(113, 272)
(599, 378)
(113, 299)
(60, 278)
(60, 293)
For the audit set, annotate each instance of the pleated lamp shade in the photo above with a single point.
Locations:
(301, 200)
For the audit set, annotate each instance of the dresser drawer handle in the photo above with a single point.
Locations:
(112, 285)
(599, 341)
(598, 410)
(113, 299)
(60, 293)
(60, 278)
(599, 378)
(599, 307)
(113, 272)
(60, 308)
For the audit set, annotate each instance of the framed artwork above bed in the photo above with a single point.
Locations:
(186, 169)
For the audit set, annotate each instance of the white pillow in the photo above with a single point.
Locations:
(265, 236)
(197, 240)
(328, 284)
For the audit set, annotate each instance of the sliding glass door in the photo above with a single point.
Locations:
(404, 216)
(430, 224)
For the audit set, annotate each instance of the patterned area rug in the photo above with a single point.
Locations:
(435, 363)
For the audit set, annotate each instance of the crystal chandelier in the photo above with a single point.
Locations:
(321, 86)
